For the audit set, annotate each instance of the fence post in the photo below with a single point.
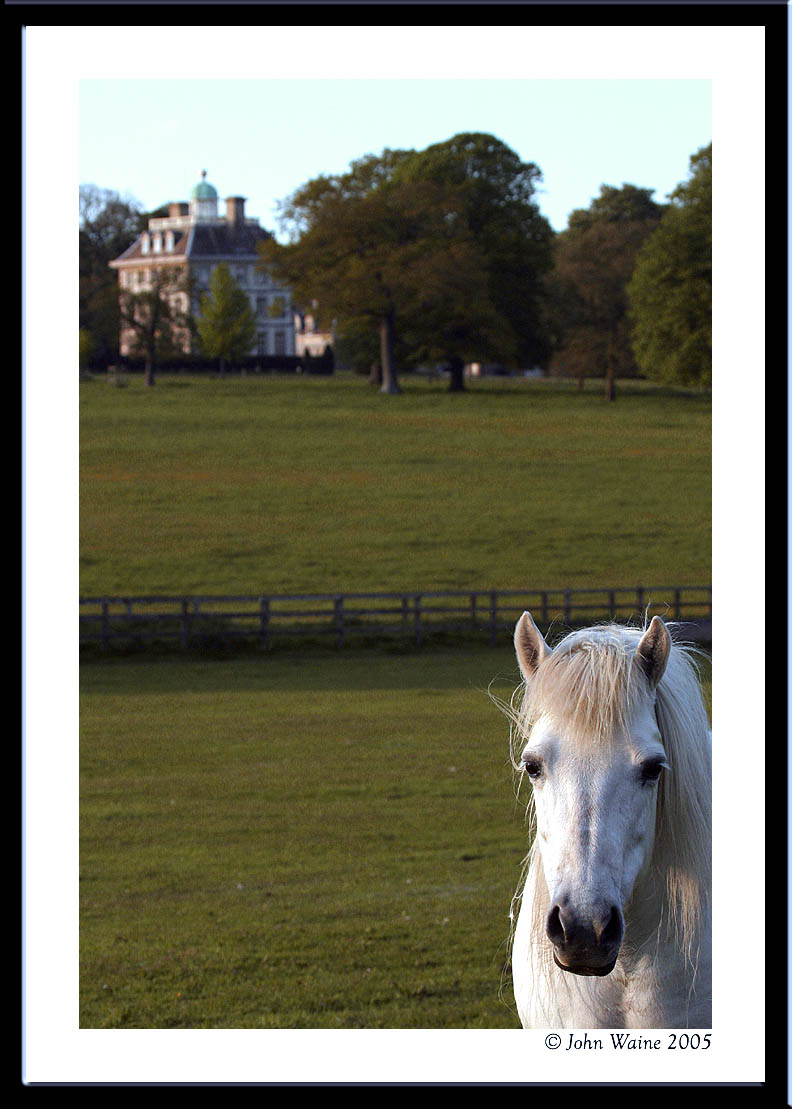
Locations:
(185, 623)
(417, 610)
(612, 603)
(105, 625)
(544, 607)
(339, 618)
(493, 618)
(639, 595)
(567, 606)
(264, 608)
(473, 611)
(677, 605)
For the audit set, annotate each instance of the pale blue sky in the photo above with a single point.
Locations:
(151, 138)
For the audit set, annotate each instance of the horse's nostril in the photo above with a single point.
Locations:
(555, 929)
(612, 932)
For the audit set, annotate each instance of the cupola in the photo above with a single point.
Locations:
(203, 199)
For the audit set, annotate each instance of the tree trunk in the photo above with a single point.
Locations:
(457, 381)
(390, 383)
(610, 376)
(148, 375)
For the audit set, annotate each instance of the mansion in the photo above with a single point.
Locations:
(189, 242)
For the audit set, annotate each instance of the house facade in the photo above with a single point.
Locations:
(187, 244)
(309, 338)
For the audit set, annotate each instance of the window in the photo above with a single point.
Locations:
(261, 307)
(262, 343)
(280, 342)
(157, 243)
(169, 240)
(145, 243)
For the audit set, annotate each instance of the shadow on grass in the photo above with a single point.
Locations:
(314, 669)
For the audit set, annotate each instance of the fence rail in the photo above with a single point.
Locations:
(197, 621)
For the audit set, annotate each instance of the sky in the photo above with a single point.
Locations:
(149, 139)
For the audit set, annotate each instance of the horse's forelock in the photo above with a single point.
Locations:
(589, 686)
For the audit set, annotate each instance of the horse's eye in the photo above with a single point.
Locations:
(533, 767)
(650, 771)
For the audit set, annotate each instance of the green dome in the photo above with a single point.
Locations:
(203, 190)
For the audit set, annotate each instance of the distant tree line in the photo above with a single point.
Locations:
(442, 257)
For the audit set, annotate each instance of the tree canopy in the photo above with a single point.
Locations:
(671, 288)
(441, 250)
(594, 259)
(109, 223)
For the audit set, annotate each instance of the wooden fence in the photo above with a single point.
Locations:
(488, 615)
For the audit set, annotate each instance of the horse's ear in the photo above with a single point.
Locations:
(653, 651)
(530, 645)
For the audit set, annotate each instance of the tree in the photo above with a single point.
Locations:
(109, 223)
(478, 291)
(85, 348)
(346, 237)
(441, 248)
(629, 204)
(670, 292)
(226, 326)
(594, 260)
(157, 317)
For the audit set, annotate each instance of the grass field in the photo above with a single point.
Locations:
(303, 842)
(298, 842)
(321, 839)
(292, 484)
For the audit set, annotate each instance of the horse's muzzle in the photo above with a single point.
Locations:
(600, 972)
(585, 944)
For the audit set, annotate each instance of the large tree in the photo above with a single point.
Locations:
(671, 288)
(478, 293)
(346, 239)
(157, 318)
(226, 325)
(594, 260)
(442, 249)
(109, 223)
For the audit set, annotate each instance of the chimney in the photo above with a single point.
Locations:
(235, 209)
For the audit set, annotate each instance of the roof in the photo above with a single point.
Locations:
(201, 241)
(222, 239)
(134, 252)
(203, 190)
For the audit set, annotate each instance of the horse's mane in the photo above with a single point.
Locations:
(589, 685)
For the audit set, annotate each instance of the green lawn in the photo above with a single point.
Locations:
(322, 842)
(302, 841)
(330, 839)
(297, 484)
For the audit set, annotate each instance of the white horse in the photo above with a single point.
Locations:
(614, 925)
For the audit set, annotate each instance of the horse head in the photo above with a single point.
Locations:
(594, 755)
